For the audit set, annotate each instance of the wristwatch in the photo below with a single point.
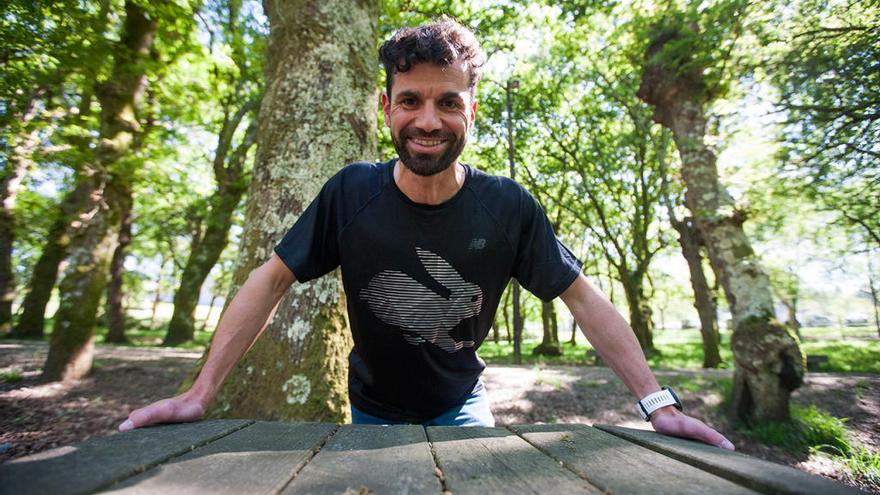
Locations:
(663, 398)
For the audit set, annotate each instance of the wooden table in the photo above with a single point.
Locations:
(239, 456)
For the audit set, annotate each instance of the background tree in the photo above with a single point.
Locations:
(238, 88)
(110, 174)
(684, 70)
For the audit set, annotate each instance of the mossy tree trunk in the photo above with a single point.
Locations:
(93, 243)
(318, 113)
(115, 293)
(229, 172)
(769, 363)
(704, 300)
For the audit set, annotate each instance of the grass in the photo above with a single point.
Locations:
(11, 376)
(813, 431)
(853, 351)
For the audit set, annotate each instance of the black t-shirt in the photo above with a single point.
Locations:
(423, 281)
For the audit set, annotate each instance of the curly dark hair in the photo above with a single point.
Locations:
(441, 42)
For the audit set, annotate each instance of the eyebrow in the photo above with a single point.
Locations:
(414, 94)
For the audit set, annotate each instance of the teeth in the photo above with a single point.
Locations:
(426, 142)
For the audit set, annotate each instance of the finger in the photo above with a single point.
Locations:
(704, 433)
(158, 412)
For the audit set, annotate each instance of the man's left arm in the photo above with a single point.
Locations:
(616, 343)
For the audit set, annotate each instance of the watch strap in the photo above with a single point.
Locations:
(652, 402)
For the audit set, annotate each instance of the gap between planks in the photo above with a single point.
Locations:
(150, 465)
(313, 452)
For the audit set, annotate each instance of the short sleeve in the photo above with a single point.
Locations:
(310, 248)
(544, 265)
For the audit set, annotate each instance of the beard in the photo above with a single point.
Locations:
(428, 164)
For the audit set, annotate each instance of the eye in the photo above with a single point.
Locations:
(450, 104)
(408, 101)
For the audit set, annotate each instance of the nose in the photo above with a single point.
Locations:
(428, 119)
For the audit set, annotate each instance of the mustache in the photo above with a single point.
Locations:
(416, 133)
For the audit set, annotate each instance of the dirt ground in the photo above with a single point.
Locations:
(36, 417)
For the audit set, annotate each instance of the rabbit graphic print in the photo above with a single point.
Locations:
(422, 314)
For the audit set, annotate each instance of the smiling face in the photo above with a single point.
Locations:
(430, 111)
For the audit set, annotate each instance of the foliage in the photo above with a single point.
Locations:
(823, 61)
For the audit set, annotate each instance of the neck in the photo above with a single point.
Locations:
(431, 190)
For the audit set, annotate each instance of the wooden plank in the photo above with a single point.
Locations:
(370, 459)
(615, 465)
(494, 460)
(754, 473)
(259, 459)
(97, 463)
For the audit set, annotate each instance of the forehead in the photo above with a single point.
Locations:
(428, 79)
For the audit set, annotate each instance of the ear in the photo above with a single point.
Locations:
(386, 109)
(473, 113)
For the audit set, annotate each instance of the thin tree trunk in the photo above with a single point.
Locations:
(115, 294)
(210, 312)
(318, 113)
(15, 167)
(505, 308)
(574, 326)
(549, 345)
(639, 311)
(72, 344)
(769, 363)
(207, 249)
(33, 309)
(157, 298)
(704, 301)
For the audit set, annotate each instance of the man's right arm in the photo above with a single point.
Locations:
(243, 321)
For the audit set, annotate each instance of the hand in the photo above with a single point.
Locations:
(670, 421)
(180, 409)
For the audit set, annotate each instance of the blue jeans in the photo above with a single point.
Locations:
(474, 411)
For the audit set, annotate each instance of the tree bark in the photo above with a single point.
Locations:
(640, 312)
(33, 309)
(549, 345)
(704, 301)
(207, 249)
(115, 294)
(318, 113)
(72, 343)
(769, 363)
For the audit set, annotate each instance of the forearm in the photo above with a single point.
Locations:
(611, 336)
(242, 323)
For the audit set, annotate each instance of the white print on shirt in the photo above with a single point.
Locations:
(423, 315)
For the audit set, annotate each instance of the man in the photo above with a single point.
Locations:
(426, 246)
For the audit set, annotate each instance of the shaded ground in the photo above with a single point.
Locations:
(35, 417)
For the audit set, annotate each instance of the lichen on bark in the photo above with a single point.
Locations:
(769, 364)
(318, 113)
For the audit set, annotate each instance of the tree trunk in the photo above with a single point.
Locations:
(318, 113)
(33, 309)
(115, 294)
(15, 168)
(769, 363)
(574, 327)
(201, 260)
(704, 301)
(639, 311)
(549, 345)
(208, 248)
(505, 307)
(72, 344)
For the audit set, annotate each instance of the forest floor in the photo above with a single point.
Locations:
(35, 417)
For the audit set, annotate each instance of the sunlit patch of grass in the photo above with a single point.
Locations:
(814, 431)
(11, 376)
(846, 356)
